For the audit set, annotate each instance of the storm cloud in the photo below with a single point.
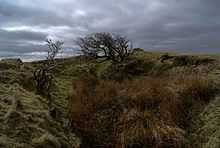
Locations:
(184, 26)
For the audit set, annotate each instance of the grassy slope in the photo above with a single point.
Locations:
(207, 124)
(210, 115)
(24, 118)
(34, 127)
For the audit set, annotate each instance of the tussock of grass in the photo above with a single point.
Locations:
(208, 133)
(141, 129)
(46, 140)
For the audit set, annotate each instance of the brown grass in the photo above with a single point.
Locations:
(135, 113)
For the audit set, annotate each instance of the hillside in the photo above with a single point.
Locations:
(182, 107)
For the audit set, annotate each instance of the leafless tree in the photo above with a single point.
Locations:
(105, 45)
(53, 49)
(43, 75)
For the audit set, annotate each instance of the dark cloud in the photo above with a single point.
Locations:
(11, 14)
(21, 35)
(152, 24)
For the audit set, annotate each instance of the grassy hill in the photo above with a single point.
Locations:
(147, 101)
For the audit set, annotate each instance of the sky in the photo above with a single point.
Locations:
(181, 25)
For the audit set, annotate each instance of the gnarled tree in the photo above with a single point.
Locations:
(105, 45)
(43, 75)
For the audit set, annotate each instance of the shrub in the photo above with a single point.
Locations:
(138, 50)
(128, 69)
(165, 57)
(105, 45)
(191, 60)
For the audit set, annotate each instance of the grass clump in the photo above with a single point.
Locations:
(46, 140)
(207, 131)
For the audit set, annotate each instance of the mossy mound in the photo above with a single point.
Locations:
(25, 121)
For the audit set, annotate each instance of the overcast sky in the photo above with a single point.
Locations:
(182, 25)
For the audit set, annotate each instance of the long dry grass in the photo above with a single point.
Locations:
(142, 113)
